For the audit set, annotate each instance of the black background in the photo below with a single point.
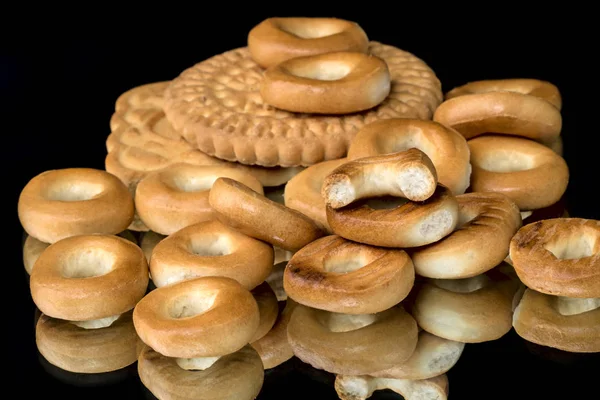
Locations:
(60, 77)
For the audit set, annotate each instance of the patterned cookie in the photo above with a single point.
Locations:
(217, 107)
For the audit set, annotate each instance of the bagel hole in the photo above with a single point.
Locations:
(507, 161)
(312, 30)
(97, 323)
(340, 322)
(74, 191)
(385, 202)
(196, 364)
(191, 304)
(321, 71)
(210, 246)
(572, 306)
(190, 183)
(466, 285)
(87, 263)
(574, 246)
(342, 264)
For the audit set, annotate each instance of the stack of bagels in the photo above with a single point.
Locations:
(312, 195)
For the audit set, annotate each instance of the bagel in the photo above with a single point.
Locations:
(446, 148)
(362, 387)
(32, 248)
(303, 192)
(237, 376)
(341, 276)
(501, 112)
(210, 248)
(395, 222)
(559, 257)
(534, 87)
(251, 213)
(330, 83)
(202, 317)
(471, 310)
(409, 174)
(60, 203)
(275, 40)
(352, 344)
(88, 351)
(268, 309)
(531, 174)
(537, 319)
(177, 196)
(274, 348)
(433, 357)
(275, 280)
(89, 278)
(487, 223)
(148, 243)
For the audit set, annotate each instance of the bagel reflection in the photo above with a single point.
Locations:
(362, 387)
(274, 348)
(68, 352)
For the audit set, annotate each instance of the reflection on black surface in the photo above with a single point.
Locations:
(564, 358)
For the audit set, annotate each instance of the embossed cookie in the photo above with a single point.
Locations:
(217, 107)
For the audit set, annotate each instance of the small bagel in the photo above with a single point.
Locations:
(303, 192)
(507, 113)
(389, 338)
(242, 208)
(350, 387)
(534, 87)
(446, 148)
(202, 317)
(433, 357)
(331, 83)
(338, 275)
(559, 257)
(274, 348)
(211, 248)
(536, 319)
(267, 308)
(177, 196)
(88, 351)
(89, 277)
(239, 376)
(409, 174)
(275, 40)
(397, 223)
(531, 174)
(487, 223)
(61, 203)
(471, 310)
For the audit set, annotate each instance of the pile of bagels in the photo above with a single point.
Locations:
(312, 195)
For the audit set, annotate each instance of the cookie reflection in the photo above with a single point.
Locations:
(79, 356)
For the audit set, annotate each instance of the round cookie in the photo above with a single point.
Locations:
(217, 107)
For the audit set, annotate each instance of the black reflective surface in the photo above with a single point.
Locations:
(58, 92)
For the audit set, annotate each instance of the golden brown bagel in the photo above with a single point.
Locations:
(211, 248)
(275, 40)
(506, 113)
(487, 223)
(237, 376)
(251, 213)
(537, 320)
(394, 222)
(177, 196)
(531, 174)
(338, 275)
(89, 277)
(330, 83)
(303, 192)
(267, 308)
(376, 342)
(559, 257)
(446, 148)
(534, 87)
(471, 310)
(202, 317)
(66, 202)
(88, 351)
(409, 174)
(350, 387)
(274, 348)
